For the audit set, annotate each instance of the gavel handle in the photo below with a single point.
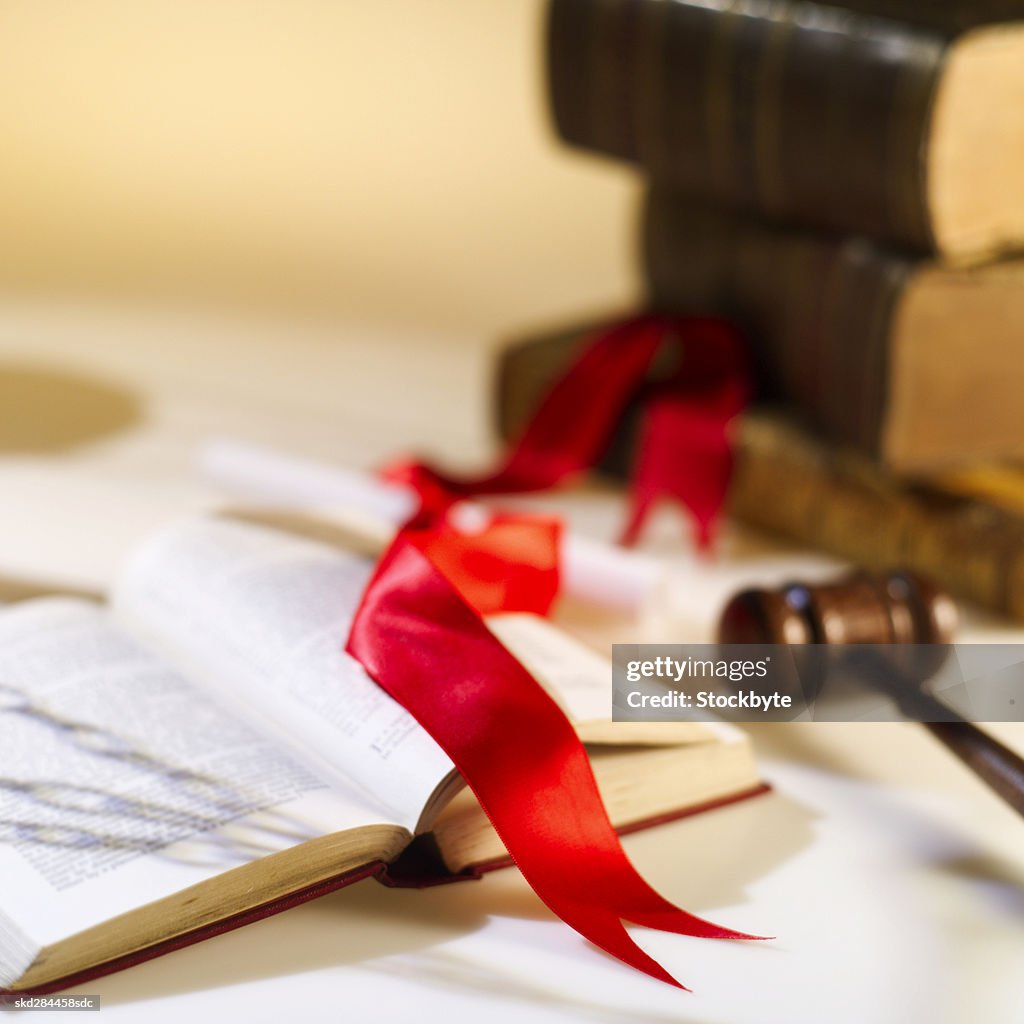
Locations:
(998, 766)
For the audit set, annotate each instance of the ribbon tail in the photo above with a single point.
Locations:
(669, 918)
(685, 454)
(606, 931)
(640, 504)
(602, 927)
(425, 645)
(636, 901)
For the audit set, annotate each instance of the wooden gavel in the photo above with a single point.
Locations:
(898, 608)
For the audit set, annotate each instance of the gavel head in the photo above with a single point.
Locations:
(895, 608)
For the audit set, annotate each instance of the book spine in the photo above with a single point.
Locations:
(800, 111)
(788, 485)
(819, 496)
(819, 311)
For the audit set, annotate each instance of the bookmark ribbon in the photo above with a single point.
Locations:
(426, 647)
(419, 633)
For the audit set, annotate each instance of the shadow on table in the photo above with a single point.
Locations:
(702, 863)
(45, 411)
(906, 757)
(998, 881)
(19, 588)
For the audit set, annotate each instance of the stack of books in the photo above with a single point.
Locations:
(844, 181)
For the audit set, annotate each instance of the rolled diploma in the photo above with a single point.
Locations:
(592, 571)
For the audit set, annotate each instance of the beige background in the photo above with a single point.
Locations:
(387, 161)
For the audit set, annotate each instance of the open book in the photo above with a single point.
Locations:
(203, 752)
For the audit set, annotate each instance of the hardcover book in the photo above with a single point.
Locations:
(202, 752)
(874, 348)
(896, 119)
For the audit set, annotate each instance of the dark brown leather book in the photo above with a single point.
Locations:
(964, 529)
(898, 119)
(913, 361)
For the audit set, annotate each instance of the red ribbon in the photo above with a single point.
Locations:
(419, 634)
(509, 565)
(517, 751)
(684, 450)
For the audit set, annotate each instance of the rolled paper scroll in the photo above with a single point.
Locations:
(591, 571)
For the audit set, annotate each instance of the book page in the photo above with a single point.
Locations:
(263, 617)
(121, 782)
(575, 675)
(580, 681)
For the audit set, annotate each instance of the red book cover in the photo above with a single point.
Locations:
(419, 867)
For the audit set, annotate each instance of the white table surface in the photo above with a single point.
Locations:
(893, 881)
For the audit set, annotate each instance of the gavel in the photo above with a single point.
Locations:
(897, 609)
